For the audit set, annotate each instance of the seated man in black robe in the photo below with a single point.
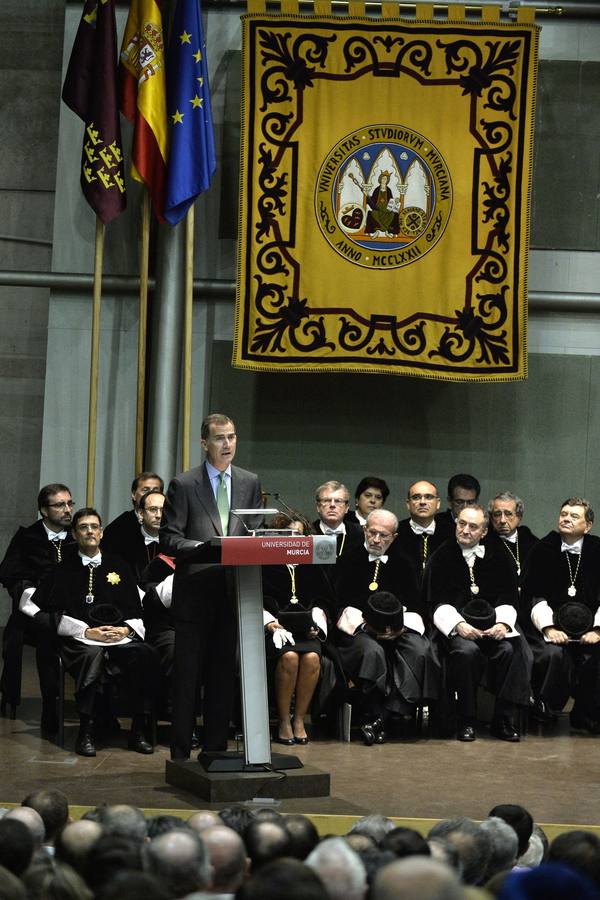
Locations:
(32, 553)
(131, 535)
(99, 611)
(393, 670)
(423, 531)
(460, 571)
(562, 582)
(463, 491)
(506, 512)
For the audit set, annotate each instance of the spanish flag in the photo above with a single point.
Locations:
(143, 96)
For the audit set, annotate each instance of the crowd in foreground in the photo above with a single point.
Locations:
(116, 852)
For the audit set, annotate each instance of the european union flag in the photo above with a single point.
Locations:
(192, 158)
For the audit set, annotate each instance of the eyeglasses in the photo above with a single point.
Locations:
(384, 535)
(331, 501)
(64, 504)
(153, 510)
(86, 526)
(463, 503)
(416, 497)
(503, 513)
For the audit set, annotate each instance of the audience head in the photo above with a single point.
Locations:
(48, 879)
(55, 505)
(206, 818)
(266, 841)
(360, 842)
(374, 859)
(16, 845)
(162, 823)
(405, 842)
(519, 818)
(53, 807)
(283, 878)
(504, 845)
(445, 852)
(237, 817)
(227, 856)
(32, 821)
(375, 826)
(332, 503)
(417, 878)
(339, 868)
(292, 519)
(144, 482)
(472, 843)
(75, 841)
(505, 511)
(178, 859)
(304, 837)
(122, 819)
(548, 882)
(110, 854)
(579, 849)
(371, 493)
(463, 491)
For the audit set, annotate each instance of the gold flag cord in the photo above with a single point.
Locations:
(187, 336)
(94, 363)
(142, 333)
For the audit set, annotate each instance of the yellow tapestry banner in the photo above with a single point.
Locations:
(385, 187)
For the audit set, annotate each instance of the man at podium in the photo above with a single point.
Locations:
(197, 508)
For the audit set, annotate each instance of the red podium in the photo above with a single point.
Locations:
(246, 555)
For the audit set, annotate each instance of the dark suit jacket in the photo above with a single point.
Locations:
(190, 516)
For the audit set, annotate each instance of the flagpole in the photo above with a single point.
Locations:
(187, 337)
(142, 335)
(94, 363)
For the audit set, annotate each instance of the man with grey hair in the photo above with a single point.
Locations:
(472, 843)
(227, 856)
(179, 859)
(504, 845)
(417, 878)
(122, 819)
(375, 826)
(473, 593)
(339, 868)
(506, 512)
(332, 498)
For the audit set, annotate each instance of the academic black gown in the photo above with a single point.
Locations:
(504, 666)
(64, 591)
(414, 545)
(29, 557)
(561, 671)
(123, 537)
(392, 675)
(354, 537)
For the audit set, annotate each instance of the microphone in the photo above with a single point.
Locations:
(293, 513)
